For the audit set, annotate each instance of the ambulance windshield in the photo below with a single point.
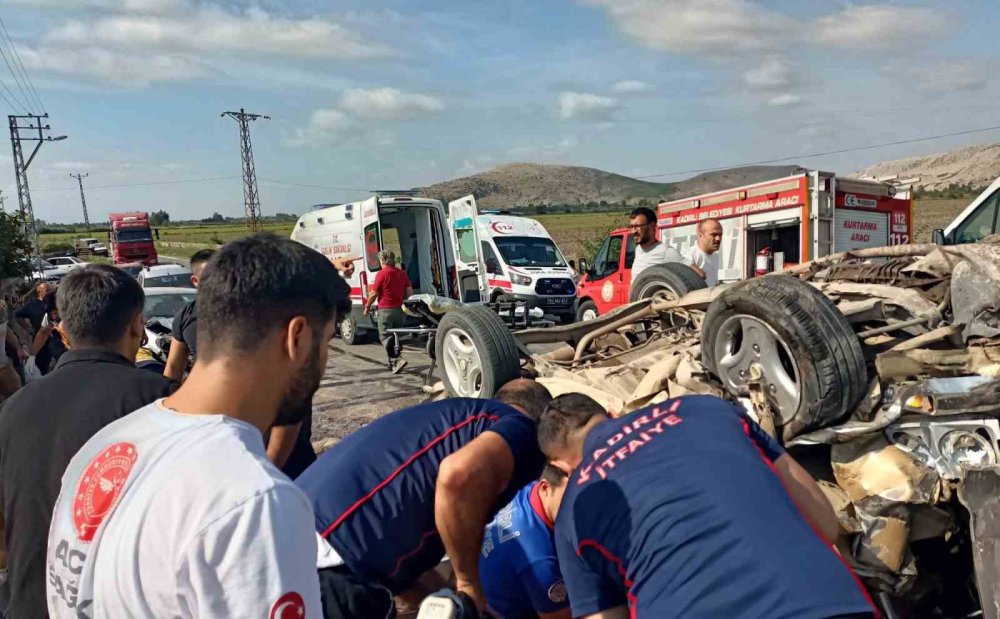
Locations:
(529, 251)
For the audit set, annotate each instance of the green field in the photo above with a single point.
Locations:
(574, 233)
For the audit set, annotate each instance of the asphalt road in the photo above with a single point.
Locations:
(358, 388)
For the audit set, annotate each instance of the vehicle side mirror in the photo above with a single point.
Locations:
(584, 265)
(937, 237)
(491, 266)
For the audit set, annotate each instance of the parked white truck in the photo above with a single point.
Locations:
(979, 220)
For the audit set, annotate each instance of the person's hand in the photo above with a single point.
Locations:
(23, 353)
(344, 264)
(474, 591)
(365, 311)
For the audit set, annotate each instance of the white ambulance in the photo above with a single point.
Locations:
(414, 228)
(522, 262)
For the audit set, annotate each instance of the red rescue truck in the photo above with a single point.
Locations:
(766, 227)
(132, 239)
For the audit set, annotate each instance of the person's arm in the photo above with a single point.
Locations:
(177, 360)
(41, 339)
(373, 294)
(281, 443)
(618, 612)
(808, 497)
(468, 484)
(409, 286)
(544, 583)
(257, 560)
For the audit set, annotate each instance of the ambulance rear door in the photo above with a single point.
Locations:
(473, 281)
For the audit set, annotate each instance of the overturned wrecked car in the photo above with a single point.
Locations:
(879, 369)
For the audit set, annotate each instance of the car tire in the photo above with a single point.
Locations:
(672, 278)
(351, 333)
(476, 352)
(796, 335)
(587, 311)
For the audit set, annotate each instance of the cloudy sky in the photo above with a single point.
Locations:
(365, 94)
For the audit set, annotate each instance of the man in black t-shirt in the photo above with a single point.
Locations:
(184, 333)
(39, 303)
(45, 423)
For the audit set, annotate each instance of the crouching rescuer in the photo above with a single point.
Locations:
(392, 498)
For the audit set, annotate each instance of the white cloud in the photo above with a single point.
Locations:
(694, 27)
(323, 127)
(212, 29)
(878, 26)
(773, 72)
(585, 105)
(785, 100)
(631, 87)
(544, 151)
(127, 69)
(949, 76)
(388, 103)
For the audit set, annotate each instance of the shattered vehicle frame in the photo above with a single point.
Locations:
(879, 369)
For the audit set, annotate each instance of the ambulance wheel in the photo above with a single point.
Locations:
(476, 352)
(671, 281)
(810, 363)
(586, 311)
(350, 333)
(499, 297)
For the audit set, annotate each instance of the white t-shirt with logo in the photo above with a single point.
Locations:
(170, 515)
(658, 253)
(709, 263)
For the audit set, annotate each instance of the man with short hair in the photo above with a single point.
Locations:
(688, 509)
(38, 303)
(392, 498)
(184, 332)
(175, 510)
(648, 251)
(518, 565)
(392, 286)
(704, 254)
(45, 423)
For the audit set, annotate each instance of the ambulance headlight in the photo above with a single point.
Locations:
(967, 449)
(520, 280)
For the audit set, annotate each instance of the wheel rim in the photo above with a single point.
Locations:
(347, 329)
(588, 314)
(462, 363)
(746, 344)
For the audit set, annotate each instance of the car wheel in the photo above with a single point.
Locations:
(587, 311)
(476, 352)
(670, 281)
(350, 333)
(811, 364)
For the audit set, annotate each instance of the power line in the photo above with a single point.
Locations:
(275, 181)
(24, 71)
(146, 184)
(12, 106)
(823, 154)
(17, 79)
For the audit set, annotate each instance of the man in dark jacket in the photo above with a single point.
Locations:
(45, 423)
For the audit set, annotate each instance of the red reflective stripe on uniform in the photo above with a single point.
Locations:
(632, 599)
(423, 539)
(774, 469)
(350, 510)
(499, 283)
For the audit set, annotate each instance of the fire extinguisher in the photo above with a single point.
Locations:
(762, 265)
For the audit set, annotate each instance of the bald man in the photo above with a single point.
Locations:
(703, 256)
(392, 498)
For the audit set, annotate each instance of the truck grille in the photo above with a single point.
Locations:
(555, 286)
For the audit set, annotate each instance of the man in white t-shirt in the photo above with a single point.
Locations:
(175, 510)
(649, 251)
(705, 253)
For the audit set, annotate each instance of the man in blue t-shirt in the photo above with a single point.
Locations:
(392, 498)
(518, 566)
(688, 509)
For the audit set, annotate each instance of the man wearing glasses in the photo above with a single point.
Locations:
(649, 251)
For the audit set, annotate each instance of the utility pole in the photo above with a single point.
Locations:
(251, 199)
(3, 202)
(83, 200)
(34, 125)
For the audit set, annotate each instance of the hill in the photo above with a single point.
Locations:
(523, 184)
(972, 166)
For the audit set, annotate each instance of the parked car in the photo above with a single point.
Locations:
(45, 270)
(165, 276)
(67, 262)
(92, 245)
(132, 268)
